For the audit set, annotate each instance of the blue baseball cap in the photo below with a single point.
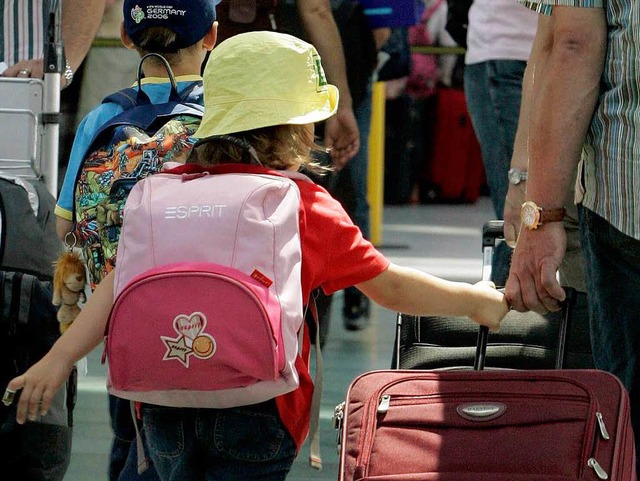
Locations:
(188, 19)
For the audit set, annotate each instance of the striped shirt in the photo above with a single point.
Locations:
(611, 154)
(23, 29)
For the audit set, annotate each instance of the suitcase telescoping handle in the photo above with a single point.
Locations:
(493, 231)
(54, 65)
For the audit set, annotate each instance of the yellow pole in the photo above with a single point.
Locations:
(375, 176)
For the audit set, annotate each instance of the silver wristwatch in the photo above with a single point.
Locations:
(516, 176)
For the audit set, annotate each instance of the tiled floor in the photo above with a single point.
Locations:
(441, 239)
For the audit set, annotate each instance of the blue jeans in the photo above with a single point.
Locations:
(613, 283)
(123, 458)
(493, 91)
(247, 443)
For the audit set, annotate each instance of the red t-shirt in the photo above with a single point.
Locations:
(335, 255)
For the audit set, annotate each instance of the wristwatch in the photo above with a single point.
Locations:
(533, 216)
(516, 176)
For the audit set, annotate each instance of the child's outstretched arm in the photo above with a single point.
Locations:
(40, 383)
(415, 292)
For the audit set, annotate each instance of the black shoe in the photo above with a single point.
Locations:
(356, 309)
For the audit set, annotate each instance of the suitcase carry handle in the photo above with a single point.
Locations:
(492, 231)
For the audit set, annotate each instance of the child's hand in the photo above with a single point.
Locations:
(491, 306)
(39, 385)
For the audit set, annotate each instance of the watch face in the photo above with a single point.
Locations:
(529, 214)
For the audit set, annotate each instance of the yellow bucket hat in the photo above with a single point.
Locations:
(261, 79)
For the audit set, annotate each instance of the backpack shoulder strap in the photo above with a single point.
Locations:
(312, 325)
(192, 93)
(128, 98)
(125, 98)
(142, 118)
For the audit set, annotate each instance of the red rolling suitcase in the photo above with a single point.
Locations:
(486, 425)
(502, 425)
(455, 172)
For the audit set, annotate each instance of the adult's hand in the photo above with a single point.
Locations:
(33, 68)
(532, 283)
(342, 137)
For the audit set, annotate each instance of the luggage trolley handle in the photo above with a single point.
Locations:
(492, 231)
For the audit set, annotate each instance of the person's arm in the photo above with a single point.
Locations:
(565, 92)
(63, 227)
(41, 381)
(341, 130)
(520, 156)
(403, 289)
(79, 25)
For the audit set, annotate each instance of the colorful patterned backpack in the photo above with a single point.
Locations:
(128, 148)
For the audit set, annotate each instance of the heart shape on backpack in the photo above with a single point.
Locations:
(190, 326)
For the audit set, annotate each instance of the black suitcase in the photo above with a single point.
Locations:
(524, 341)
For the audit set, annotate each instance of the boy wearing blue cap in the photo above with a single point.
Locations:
(182, 31)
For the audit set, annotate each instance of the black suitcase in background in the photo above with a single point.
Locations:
(524, 341)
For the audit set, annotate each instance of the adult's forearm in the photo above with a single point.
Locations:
(80, 22)
(322, 31)
(520, 158)
(565, 92)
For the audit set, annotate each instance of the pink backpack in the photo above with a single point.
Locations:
(209, 304)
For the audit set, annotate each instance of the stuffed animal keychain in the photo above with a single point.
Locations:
(69, 279)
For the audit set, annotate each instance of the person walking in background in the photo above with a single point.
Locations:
(499, 39)
(346, 133)
(317, 21)
(585, 114)
(349, 185)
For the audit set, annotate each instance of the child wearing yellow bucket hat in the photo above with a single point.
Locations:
(267, 89)
(263, 93)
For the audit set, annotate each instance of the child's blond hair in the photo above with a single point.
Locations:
(280, 147)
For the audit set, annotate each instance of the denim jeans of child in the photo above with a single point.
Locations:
(613, 286)
(493, 90)
(123, 458)
(244, 443)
